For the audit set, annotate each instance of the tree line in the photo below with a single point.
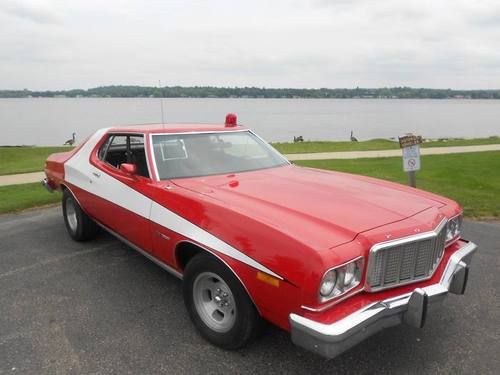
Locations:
(254, 92)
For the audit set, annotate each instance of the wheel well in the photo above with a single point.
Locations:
(185, 251)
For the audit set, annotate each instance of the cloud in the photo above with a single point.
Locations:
(283, 43)
(485, 18)
(34, 11)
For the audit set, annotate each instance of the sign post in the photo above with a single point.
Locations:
(411, 156)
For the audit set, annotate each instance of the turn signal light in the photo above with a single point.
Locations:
(268, 279)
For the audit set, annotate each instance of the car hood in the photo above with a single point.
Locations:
(320, 208)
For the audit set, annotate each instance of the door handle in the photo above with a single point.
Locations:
(96, 174)
(164, 236)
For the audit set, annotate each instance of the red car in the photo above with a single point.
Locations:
(329, 256)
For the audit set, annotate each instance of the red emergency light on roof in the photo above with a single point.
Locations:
(230, 120)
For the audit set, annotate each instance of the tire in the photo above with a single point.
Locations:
(79, 226)
(218, 304)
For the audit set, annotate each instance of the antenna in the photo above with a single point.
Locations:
(161, 106)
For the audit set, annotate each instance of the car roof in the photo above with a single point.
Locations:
(175, 128)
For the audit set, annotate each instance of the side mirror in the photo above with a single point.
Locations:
(129, 169)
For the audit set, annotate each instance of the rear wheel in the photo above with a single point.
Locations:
(218, 304)
(79, 226)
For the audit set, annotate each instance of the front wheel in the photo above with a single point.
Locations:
(218, 304)
(79, 226)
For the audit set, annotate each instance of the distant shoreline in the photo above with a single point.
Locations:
(254, 93)
(236, 97)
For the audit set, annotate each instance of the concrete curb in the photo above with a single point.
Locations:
(390, 153)
(23, 178)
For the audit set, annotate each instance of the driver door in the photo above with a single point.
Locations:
(119, 205)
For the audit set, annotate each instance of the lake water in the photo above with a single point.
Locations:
(49, 121)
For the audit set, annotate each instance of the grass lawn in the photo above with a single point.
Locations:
(25, 159)
(19, 197)
(373, 144)
(31, 159)
(472, 179)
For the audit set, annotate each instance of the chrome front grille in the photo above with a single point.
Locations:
(406, 260)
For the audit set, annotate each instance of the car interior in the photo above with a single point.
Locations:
(119, 149)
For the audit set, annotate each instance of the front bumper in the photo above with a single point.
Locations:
(329, 340)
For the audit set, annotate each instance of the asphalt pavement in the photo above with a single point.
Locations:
(100, 307)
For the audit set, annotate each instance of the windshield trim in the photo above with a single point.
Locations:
(157, 175)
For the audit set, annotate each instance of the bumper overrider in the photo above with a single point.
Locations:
(329, 340)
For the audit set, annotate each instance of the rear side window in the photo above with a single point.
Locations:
(116, 152)
(102, 151)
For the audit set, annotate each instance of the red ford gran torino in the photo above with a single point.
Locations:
(330, 257)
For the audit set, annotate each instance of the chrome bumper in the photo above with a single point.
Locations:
(45, 184)
(329, 340)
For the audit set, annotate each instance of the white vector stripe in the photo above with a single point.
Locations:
(171, 220)
(79, 172)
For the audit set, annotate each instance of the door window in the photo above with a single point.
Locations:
(119, 149)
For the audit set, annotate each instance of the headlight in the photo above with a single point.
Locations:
(350, 273)
(453, 227)
(340, 280)
(328, 283)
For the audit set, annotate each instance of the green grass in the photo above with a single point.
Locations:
(20, 197)
(373, 144)
(25, 159)
(472, 179)
(31, 159)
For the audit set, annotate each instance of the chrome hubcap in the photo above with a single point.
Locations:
(214, 302)
(71, 214)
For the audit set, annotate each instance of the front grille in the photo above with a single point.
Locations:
(405, 261)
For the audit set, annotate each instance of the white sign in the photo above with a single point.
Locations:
(411, 158)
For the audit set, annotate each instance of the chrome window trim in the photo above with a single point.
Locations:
(153, 159)
(402, 241)
(226, 130)
(107, 143)
(271, 147)
(151, 135)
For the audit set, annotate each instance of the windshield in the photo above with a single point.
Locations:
(191, 155)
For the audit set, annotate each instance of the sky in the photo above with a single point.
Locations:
(61, 44)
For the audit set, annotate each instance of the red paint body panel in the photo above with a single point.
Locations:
(274, 303)
(332, 205)
(54, 167)
(296, 222)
